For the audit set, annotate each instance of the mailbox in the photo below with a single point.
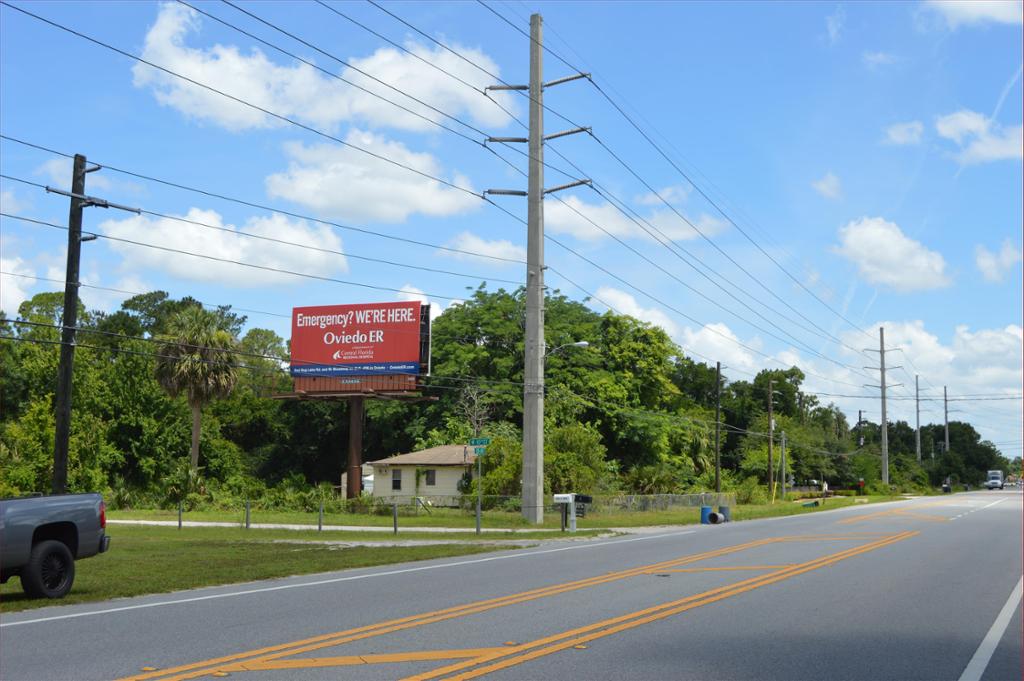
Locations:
(568, 504)
(584, 499)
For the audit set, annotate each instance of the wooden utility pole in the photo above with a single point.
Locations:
(65, 369)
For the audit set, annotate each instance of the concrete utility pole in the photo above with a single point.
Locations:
(533, 371)
(885, 423)
(917, 408)
(718, 411)
(771, 440)
(945, 417)
(860, 420)
(533, 391)
(65, 369)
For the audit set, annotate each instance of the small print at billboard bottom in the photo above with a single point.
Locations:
(356, 340)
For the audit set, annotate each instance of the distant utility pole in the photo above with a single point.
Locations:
(533, 371)
(718, 411)
(885, 423)
(771, 441)
(917, 407)
(65, 366)
(782, 472)
(945, 411)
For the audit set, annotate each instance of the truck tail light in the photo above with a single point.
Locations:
(103, 514)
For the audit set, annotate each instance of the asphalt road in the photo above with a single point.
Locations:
(925, 589)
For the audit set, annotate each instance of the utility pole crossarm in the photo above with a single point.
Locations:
(92, 201)
(565, 79)
(568, 185)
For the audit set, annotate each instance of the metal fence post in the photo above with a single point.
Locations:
(394, 515)
(247, 514)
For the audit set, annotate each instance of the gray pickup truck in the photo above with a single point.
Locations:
(41, 537)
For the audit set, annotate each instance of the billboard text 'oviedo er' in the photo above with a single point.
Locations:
(361, 340)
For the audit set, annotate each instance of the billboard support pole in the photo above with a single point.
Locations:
(355, 447)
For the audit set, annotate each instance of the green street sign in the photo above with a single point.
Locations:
(480, 441)
(479, 451)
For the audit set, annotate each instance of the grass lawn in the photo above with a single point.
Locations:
(146, 560)
(443, 517)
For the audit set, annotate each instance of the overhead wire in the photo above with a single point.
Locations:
(318, 132)
(693, 183)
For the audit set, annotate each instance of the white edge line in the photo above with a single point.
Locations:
(976, 667)
(335, 580)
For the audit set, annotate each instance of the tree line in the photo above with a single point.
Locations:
(173, 400)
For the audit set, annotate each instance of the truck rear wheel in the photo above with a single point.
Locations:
(50, 571)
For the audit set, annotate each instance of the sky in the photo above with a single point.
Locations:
(771, 182)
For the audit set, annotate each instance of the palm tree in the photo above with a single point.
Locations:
(196, 358)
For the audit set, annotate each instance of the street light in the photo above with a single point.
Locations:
(577, 344)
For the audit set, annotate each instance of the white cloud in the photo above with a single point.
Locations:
(223, 244)
(301, 92)
(9, 203)
(14, 289)
(886, 256)
(673, 194)
(572, 215)
(994, 266)
(904, 133)
(834, 24)
(411, 293)
(501, 248)
(875, 59)
(966, 12)
(624, 303)
(981, 139)
(828, 186)
(347, 184)
(718, 342)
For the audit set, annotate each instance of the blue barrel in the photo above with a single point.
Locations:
(724, 511)
(705, 515)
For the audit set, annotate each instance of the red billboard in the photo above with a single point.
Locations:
(360, 340)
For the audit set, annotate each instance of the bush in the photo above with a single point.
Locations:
(751, 491)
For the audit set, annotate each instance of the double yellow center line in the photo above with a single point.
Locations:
(483, 660)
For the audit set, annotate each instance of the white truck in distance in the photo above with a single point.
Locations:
(995, 479)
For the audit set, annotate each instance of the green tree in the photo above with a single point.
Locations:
(196, 359)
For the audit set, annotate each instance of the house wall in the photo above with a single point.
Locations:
(446, 478)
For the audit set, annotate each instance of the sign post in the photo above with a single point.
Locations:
(479, 449)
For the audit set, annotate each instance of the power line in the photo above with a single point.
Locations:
(687, 221)
(305, 127)
(242, 263)
(284, 242)
(278, 211)
(697, 187)
(243, 102)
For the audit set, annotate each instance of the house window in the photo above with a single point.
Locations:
(396, 479)
(431, 477)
